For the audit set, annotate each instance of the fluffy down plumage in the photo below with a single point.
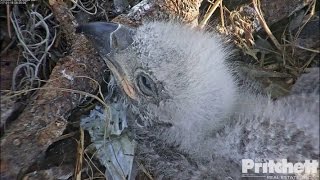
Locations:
(201, 122)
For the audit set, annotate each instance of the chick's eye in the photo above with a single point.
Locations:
(146, 85)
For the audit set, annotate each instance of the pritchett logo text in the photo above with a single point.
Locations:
(280, 167)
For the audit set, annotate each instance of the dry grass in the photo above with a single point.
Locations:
(276, 54)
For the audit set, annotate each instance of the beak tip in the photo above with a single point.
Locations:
(79, 29)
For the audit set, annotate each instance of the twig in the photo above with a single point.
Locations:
(209, 14)
(311, 8)
(101, 100)
(256, 5)
(90, 162)
(8, 46)
(8, 20)
(309, 61)
(222, 15)
(65, 136)
(80, 156)
(304, 48)
(144, 170)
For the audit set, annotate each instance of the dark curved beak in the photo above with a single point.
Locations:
(100, 33)
(108, 38)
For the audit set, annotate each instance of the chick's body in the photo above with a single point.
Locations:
(195, 120)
